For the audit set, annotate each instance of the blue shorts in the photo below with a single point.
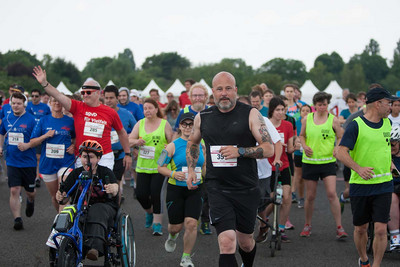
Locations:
(24, 177)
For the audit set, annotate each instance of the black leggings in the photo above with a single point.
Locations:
(148, 190)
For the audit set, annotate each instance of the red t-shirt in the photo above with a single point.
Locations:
(7, 101)
(94, 123)
(184, 100)
(161, 105)
(285, 130)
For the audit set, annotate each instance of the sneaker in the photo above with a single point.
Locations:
(394, 242)
(262, 235)
(294, 197)
(285, 238)
(132, 183)
(306, 231)
(340, 233)
(30, 208)
(205, 228)
(37, 182)
(149, 220)
(157, 229)
(186, 261)
(289, 225)
(18, 225)
(300, 204)
(363, 264)
(170, 244)
(92, 254)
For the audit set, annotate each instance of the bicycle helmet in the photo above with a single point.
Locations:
(395, 133)
(91, 146)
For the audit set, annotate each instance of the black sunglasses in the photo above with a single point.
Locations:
(88, 92)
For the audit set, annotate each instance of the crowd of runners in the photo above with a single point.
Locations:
(214, 154)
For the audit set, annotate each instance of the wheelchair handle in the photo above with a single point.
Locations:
(107, 181)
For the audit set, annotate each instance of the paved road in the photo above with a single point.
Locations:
(27, 247)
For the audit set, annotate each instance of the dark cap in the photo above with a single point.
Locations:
(18, 88)
(187, 116)
(376, 94)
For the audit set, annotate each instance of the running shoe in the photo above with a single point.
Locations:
(205, 228)
(300, 204)
(132, 183)
(340, 233)
(394, 242)
(18, 225)
(306, 231)
(30, 208)
(37, 182)
(363, 264)
(285, 238)
(262, 235)
(289, 225)
(157, 229)
(186, 261)
(149, 220)
(294, 197)
(170, 244)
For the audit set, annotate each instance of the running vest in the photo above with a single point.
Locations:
(321, 139)
(231, 128)
(372, 149)
(150, 152)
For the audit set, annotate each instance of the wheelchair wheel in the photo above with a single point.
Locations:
(272, 247)
(67, 254)
(370, 242)
(127, 248)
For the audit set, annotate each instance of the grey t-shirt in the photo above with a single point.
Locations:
(352, 117)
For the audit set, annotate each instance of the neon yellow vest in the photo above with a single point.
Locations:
(154, 139)
(321, 139)
(372, 149)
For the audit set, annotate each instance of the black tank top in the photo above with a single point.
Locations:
(231, 128)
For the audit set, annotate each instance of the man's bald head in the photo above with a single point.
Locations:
(223, 75)
(91, 82)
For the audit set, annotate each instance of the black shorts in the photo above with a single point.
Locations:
(119, 169)
(22, 177)
(318, 171)
(298, 161)
(233, 210)
(374, 208)
(346, 173)
(291, 165)
(182, 203)
(284, 178)
(265, 191)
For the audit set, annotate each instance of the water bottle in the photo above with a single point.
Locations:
(279, 193)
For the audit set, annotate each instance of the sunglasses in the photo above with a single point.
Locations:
(35, 96)
(87, 92)
(185, 125)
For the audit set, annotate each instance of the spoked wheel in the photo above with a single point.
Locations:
(127, 248)
(279, 241)
(67, 254)
(272, 245)
(370, 241)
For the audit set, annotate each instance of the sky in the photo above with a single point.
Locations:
(202, 31)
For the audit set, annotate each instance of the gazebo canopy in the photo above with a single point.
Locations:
(308, 91)
(63, 89)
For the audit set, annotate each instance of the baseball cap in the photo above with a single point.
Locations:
(187, 116)
(377, 93)
(18, 88)
(134, 92)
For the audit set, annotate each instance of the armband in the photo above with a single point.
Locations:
(163, 159)
(172, 174)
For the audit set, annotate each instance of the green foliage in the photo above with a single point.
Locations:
(353, 77)
(320, 76)
(290, 70)
(333, 62)
(164, 64)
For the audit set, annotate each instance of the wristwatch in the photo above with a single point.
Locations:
(241, 151)
(128, 154)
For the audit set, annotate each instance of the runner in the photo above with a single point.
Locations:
(230, 131)
(133, 108)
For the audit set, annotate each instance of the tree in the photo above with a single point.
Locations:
(164, 64)
(320, 76)
(353, 77)
(289, 69)
(372, 48)
(333, 62)
(395, 69)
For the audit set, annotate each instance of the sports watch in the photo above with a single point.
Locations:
(241, 151)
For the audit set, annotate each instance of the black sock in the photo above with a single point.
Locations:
(248, 257)
(227, 260)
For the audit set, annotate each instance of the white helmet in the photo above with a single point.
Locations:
(395, 133)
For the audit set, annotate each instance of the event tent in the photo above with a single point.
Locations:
(176, 89)
(110, 82)
(153, 85)
(334, 89)
(203, 82)
(63, 89)
(308, 91)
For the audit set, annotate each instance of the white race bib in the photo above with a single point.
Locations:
(15, 138)
(93, 129)
(218, 160)
(147, 152)
(197, 170)
(55, 151)
(114, 137)
(282, 137)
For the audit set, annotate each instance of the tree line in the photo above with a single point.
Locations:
(362, 69)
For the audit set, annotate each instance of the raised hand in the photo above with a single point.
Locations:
(40, 75)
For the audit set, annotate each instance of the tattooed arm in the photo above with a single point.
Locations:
(192, 152)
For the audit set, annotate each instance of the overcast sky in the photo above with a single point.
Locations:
(202, 31)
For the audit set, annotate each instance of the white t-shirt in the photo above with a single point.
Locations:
(263, 166)
(395, 120)
(340, 103)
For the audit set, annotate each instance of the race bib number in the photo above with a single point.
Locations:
(197, 170)
(55, 151)
(220, 161)
(147, 152)
(15, 138)
(114, 137)
(93, 129)
(282, 137)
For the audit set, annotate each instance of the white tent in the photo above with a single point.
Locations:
(110, 82)
(308, 91)
(176, 89)
(152, 85)
(334, 89)
(203, 82)
(63, 89)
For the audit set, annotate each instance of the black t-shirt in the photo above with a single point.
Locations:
(97, 195)
(230, 128)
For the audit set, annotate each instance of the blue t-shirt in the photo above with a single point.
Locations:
(264, 111)
(180, 114)
(51, 158)
(133, 108)
(128, 121)
(349, 139)
(345, 113)
(6, 109)
(38, 111)
(18, 130)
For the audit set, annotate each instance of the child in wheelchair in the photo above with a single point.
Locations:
(394, 222)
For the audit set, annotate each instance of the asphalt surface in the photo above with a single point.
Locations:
(27, 247)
